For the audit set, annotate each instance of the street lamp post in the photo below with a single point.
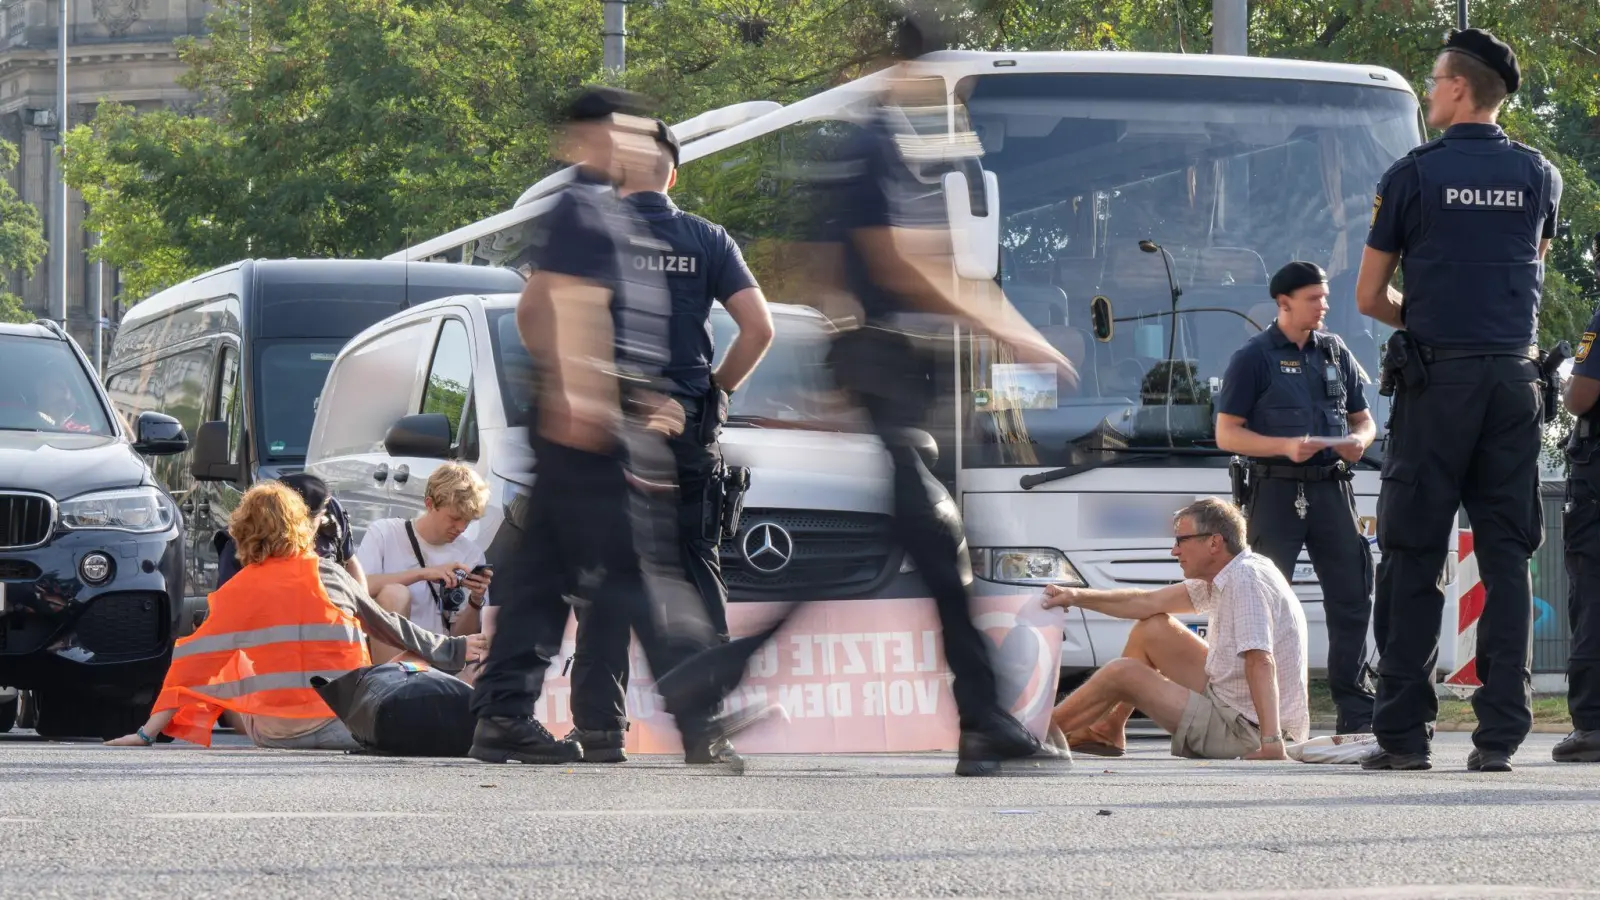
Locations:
(61, 169)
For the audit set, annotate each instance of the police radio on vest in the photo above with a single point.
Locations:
(672, 265)
(1483, 198)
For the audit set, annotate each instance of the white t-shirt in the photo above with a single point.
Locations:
(1252, 607)
(385, 549)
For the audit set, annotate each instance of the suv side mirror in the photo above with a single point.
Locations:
(211, 461)
(426, 436)
(158, 435)
(1100, 319)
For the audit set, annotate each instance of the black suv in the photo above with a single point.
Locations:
(91, 549)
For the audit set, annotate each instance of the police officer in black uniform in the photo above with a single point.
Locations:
(594, 532)
(1581, 529)
(1292, 401)
(1469, 218)
(701, 265)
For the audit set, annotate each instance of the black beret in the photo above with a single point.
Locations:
(664, 138)
(595, 103)
(1295, 276)
(1489, 50)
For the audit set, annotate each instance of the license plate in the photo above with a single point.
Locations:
(2, 600)
(1198, 628)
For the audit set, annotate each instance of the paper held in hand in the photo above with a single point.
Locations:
(1332, 443)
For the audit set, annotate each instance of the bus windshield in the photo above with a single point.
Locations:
(1226, 179)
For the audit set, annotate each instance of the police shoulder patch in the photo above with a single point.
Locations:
(1584, 345)
(1377, 204)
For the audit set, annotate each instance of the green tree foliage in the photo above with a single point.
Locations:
(355, 127)
(22, 242)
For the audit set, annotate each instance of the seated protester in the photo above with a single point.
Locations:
(411, 565)
(286, 616)
(333, 530)
(1242, 695)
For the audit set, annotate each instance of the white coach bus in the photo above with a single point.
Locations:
(1127, 176)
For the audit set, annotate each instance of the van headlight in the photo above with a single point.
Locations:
(1035, 566)
(140, 510)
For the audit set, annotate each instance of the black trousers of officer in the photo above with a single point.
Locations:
(1581, 530)
(893, 387)
(1331, 534)
(578, 540)
(1469, 438)
(600, 663)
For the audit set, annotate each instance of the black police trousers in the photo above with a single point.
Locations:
(578, 541)
(1342, 558)
(1580, 527)
(929, 531)
(1470, 438)
(600, 663)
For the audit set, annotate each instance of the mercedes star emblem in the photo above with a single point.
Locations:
(767, 547)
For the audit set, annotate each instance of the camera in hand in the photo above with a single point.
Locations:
(451, 599)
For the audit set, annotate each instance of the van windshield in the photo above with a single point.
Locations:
(43, 387)
(290, 375)
(790, 385)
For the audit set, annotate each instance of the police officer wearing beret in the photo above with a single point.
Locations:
(596, 323)
(701, 265)
(1581, 528)
(1468, 218)
(1292, 402)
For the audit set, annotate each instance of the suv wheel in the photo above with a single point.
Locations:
(63, 715)
(8, 712)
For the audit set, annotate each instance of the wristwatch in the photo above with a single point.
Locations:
(1271, 739)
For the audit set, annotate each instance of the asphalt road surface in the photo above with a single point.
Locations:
(80, 820)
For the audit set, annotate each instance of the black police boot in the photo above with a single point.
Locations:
(1397, 762)
(499, 739)
(1579, 746)
(1003, 746)
(599, 746)
(1480, 760)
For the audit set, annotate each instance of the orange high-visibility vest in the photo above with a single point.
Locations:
(270, 629)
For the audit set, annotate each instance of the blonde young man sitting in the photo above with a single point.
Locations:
(1242, 695)
(411, 564)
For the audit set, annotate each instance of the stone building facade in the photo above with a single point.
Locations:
(121, 50)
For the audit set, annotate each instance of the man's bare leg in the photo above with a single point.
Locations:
(395, 598)
(1164, 644)
(1123, 681)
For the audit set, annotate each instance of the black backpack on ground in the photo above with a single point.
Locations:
(402, 709)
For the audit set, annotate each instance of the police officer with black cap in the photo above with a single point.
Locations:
(701, 265)
(1581, 528)
(594, 532)
(1468, 218)
(1292, 402)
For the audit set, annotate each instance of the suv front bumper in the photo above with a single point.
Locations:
(111, 641)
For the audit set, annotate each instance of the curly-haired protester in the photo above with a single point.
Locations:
(286, 616)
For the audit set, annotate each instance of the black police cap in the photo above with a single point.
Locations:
(1489, 50)
(918, 33)
(1295, 276)
(313, 490)
(595, 103)
(665, 138)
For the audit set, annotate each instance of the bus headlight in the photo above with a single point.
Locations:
(1035, 566)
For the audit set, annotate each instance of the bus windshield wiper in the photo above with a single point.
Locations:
(1129, 455)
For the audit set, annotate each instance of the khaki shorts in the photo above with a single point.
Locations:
(331, 736)
(1211, 729)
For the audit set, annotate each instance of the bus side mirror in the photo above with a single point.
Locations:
(1100, 316)
(974, 239)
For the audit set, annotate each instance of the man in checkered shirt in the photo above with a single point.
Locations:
(1243, 695)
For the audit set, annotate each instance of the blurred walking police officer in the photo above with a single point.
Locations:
(701, 265)
(873, 211)
(1287, 386)
(1468, 218)
(596, 324)
(1581, 528)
